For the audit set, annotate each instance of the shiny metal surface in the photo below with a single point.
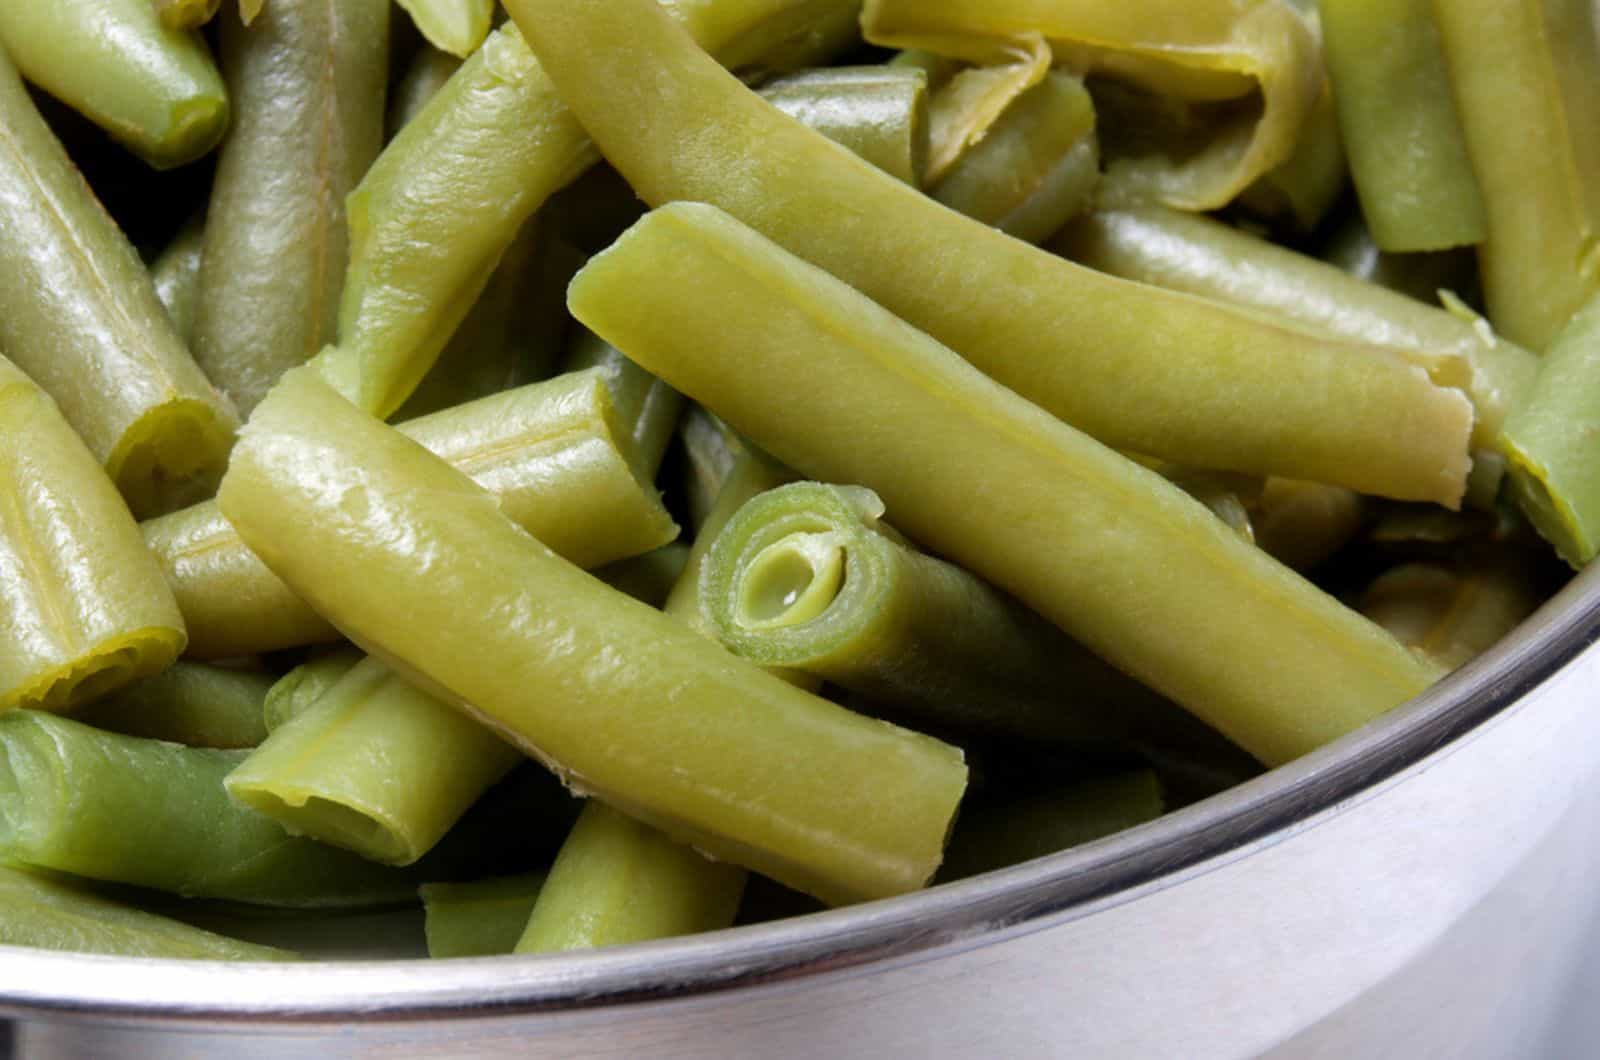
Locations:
(1347, 895)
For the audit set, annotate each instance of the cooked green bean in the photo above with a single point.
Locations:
(375, 766)
(445, 198)
(1044, 510)
(307, 82)
(151, 87)
(297, 690)
(750, 475)
(1036, 167)
(588, 681)
(1453, 615)
(1008, 831)
(188, 703)
(618, 880)
(1201, 52)
(710, 449)
(649, 578)
(176, 275)
(83, 606)
(807, 577)
(1407, 153)
(1204, 257)
(186, 14)
(1245, 396)
(50, 912)
(154, 814)
(1308, 184)
(1303, 524)
(79, 314)
(430, 69)
(879, 112)
(483, 918)
(966, 100)
(456, 27)
(1550, 442)
(1538, 171)
(550, 451)
(646, 407)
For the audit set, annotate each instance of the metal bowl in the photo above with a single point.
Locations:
(1416, 888)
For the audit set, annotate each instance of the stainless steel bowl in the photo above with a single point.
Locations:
(1419, 888)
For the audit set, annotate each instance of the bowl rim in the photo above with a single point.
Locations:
(1070, 885)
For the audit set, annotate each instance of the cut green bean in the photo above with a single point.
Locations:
(1036, 167)
(750, 475)
(297, 690)
(186, 14)
(83, 606)
(808, 577)
(966, 100)
(483, 918)
(1204, 257)
(1199, 53)
(1009, 831)
(879, 112)
(550, 451)
(618, 880)
(647, 407)
(648, 578)
(188, 703)
(1307, 186)
(307, 82)
(1453, 615)
(154, 814)
(1540, 173)
(1407, 152)
(1291, 404)
(79, 314)
(374, 765)
(50, 912)
(1303, 524)
(151, 87)
(443, 201)
(1046, 512)
(430, 69)
(621, 700)
(176, 275)
(456, 27)
(1550, 442)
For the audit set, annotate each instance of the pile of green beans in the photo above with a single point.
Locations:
(576, 455)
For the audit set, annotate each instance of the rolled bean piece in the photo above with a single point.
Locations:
(483, 918)
(1406, 149)
(1046, 512)
(751, 474)
(79, 314)
(550, 451)
(456, 27)
(591, 683)
(1317, 409)
(1453, 615)
(879, 112)
(646, 407)
(307, 82)
(1538, 60)
(618, 880)
(176, 275)
(301, 687)
(1307, 186)
(188, 703)
(50, 912)
(966, 100)
(83, 607)
(153, 88)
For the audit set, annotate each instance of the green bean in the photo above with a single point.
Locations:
(1536, 60)
(651, 577)
(153, 88)
(711, 450)
(1550, 442)
(186, 14)
(176, 275)
(188, 703)
(1036, 167)
(1009, 831)
(808, 577)
(1303, 524)
(1205, 52)
(647, 407)
(1406, 148)
(456, 27)
(483, 918)
(1453, 615)
(1045, 510)
(307, 82)
(374, 766)
(1420, 276)
(1291, 404)
(50, 912)
(297, 690)
(79, 314)
(589, 682)
(966, 100)
(84, 608)
(1306, 186)
(617, 880)
(549, 451)
(442, 202)
(1204, 257)
(879, 112)
(430, 69)
(154, 814)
